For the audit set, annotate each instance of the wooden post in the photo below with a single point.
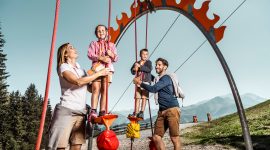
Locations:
(195, 119)
(209, 118)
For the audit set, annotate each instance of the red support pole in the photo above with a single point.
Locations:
(146, 31)
(135, 30)
(109, 18)
(45, 103)
(108, 42)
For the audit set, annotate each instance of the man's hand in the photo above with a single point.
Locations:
(137, 81)
(135, 69)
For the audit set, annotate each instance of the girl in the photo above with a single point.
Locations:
(102, 54)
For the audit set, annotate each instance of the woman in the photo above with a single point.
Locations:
(68, 124)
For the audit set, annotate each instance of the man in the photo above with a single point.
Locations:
(169, 111)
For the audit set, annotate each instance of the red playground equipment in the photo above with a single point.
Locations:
(107, 140)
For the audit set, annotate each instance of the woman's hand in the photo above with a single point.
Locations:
(104, 72)
(105, 59)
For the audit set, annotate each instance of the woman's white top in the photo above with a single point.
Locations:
(73, 96)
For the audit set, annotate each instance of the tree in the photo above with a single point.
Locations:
(3, 95)
(15, 128)
(19, 114)
(16, 118)
(3, 73)
(45, 137)
(31, 111)
(32, 108)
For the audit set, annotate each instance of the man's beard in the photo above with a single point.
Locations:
(159, 71)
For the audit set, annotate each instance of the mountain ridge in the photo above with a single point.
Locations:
(217, 106)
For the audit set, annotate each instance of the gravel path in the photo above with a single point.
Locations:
(142, 143)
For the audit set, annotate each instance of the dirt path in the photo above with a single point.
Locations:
(142, 143)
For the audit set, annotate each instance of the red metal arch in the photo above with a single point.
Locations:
(206, 26)
(185, 7)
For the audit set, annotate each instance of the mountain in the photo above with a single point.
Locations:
(218, 106)
(122, 115)
(122, 119)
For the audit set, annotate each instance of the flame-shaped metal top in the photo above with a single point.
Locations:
(186, 6)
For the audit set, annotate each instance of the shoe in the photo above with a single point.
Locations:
(132, 115)
(140, 115)
(102, 113)
(92, 116)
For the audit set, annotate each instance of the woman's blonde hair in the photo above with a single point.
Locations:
(61, 58)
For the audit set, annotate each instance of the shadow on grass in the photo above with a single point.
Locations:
(259, 142)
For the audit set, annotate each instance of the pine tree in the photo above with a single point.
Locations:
(31, 113)
(3, 95)
(15, 120)
(20, 115)
(45, 137)
(3, 73)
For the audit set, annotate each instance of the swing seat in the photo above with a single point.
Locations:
(133, 130)
(107, 140)
(134, 119)
(107, 120)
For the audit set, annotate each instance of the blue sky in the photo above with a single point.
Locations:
(27, 26)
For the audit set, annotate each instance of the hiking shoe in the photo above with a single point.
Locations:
(140, 115)
(92, 116)
(102, 113)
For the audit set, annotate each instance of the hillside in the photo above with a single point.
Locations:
(227, 130)
(218, 106)
(224, 133)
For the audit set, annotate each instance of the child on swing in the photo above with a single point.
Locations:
(102, 54)
(143, 69)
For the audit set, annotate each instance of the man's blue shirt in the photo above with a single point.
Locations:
(166, 97)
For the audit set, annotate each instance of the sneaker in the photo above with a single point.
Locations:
(92, 116)
(132, 115)
(102, 113)
(140, 115)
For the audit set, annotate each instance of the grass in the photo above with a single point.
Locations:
(227, 130)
